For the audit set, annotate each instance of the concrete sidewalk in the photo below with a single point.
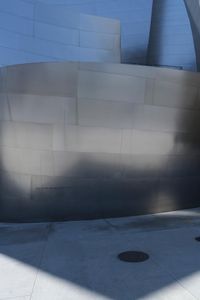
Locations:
(78, 260)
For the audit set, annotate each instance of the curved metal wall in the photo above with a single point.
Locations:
(56, 34)
(35, 31)
(89, 140)
(193, 8)
(171, 42)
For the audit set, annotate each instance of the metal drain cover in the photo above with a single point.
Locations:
(197, 238)
(133, 256)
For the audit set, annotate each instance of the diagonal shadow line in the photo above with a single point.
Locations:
(72, 256)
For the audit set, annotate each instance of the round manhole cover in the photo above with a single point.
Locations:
(197, 238)
(133, 256)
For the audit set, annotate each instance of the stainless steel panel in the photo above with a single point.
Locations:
(21, 160)
(133, 195)
(4, 111)
(175, 95)
(144, 166)
(33, 136)
(147, 142)
(49, 48)
(75, 200)
(178, 192)
(166, 119)
(67, 157)
(57, 15)
(99, 40)
(86, 165)
(193, 10)
(187, 143)
(62, 17)
(24, 108)
(19, 8)
(12, 56)
(92, 139)
(98, 55)
(10, 183)
(15, 23)
(184, 165)
(114, 87)
(99, 24)
(43, 79)
(101, 113)
(54, 33)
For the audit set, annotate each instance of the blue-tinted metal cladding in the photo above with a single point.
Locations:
(193, 9)
(38, 31)
(56, 34)
(171, 42)
(89, 140)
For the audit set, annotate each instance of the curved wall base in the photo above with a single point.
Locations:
(89, 140)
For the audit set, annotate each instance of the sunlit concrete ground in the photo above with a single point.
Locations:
(78, 260)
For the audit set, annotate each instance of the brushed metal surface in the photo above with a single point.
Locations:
(76, 146)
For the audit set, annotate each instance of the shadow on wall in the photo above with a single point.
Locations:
(84, 197)
(155, 33)
(88, 184)
(135, 56)
(110, 185)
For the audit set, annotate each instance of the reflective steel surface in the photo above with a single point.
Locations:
(89, 140)
(54, 30)
(193, 9)
(55, 33)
